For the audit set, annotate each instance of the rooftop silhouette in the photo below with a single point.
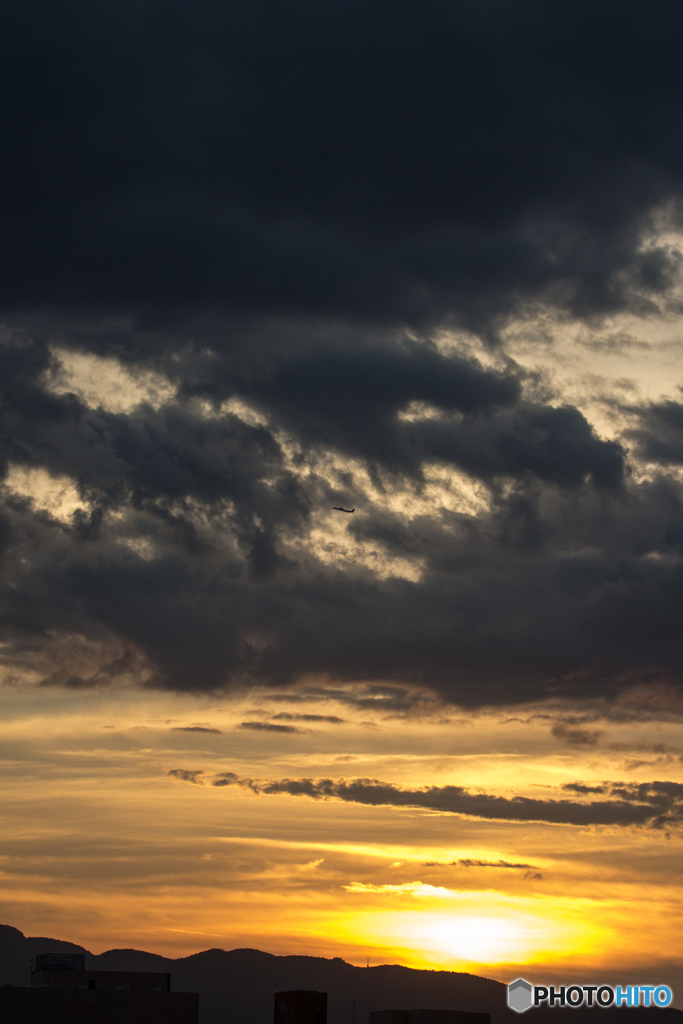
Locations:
(63, 990)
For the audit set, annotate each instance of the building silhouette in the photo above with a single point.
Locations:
(300, 1006)
(63, 992)
(60, 962)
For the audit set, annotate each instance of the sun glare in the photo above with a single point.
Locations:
(484, 931)
(482, 939)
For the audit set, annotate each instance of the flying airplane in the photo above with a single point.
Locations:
(338, 508)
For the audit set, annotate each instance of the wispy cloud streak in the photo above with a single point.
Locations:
(656, 804)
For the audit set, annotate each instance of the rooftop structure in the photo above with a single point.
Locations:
(301, 1006)
(60, 962)
(61, 992)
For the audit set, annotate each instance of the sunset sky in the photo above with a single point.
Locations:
(420, 259)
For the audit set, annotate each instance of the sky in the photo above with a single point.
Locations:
(417, 259)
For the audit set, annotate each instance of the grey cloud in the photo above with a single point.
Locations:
(351, 401)
(656, 793)
(659, 435)
(555, 444)
(576, 735)
(185, 775)
(285, 716)
(654, 804)
(225, 779)
(286, 214)
(632, 764)
(491, 864)
(578, 787)
(268, 727)
(503, 600)
(381, 697)
(466, 863)
(374, 161)
(194, 728)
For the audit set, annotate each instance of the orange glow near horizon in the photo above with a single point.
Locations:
(103, 848)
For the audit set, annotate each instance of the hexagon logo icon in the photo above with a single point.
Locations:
(519, 995)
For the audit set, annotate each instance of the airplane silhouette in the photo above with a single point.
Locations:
(338, 508)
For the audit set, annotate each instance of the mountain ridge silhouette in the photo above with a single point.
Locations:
(236, 986)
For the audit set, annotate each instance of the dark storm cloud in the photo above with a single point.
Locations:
(279, 205)
(659, 435)
(155, 462)
(555, 445)
(654, 803)
(385, 160)
(504, 609)
(351, 402)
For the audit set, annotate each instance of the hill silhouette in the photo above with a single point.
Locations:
(236, 986)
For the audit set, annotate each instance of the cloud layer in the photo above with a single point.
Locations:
(655, 804)
(379, 159)
(276, 215)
